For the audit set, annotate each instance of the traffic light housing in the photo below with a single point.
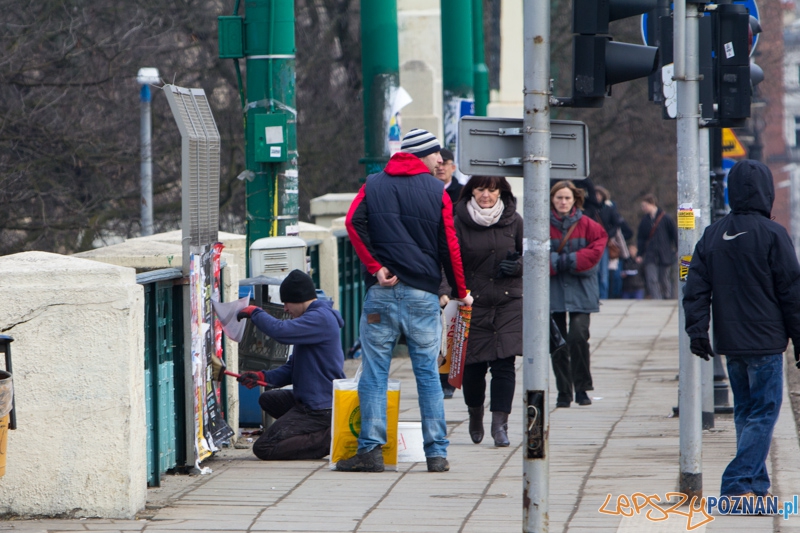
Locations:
(734, 76)
(598, 62)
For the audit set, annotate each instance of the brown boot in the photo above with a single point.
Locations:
(476, 423)
(500, 429)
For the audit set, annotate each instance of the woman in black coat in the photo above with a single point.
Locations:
(490, 235)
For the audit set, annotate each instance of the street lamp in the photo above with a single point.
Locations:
(145, 77)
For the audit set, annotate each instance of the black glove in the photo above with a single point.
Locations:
(701, 348)
(510, 267)
(246, 313)
(251, 379)
(796, 353)
(563, 263)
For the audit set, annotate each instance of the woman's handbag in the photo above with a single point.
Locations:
(556, 339)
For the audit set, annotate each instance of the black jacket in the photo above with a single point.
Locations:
(612, 220)
(495, 331)
(660, 249)
(745, 267)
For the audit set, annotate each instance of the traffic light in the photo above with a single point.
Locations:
(597, 61)
(735, 77)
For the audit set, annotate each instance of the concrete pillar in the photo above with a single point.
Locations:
(327, 207)
(328, 258)
(420, 54)
(507, 101)
(80, 444)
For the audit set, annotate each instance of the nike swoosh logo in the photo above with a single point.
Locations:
(726, 237)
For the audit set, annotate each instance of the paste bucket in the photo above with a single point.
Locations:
(6, 403)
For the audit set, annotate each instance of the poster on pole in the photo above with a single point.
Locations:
(210, 428)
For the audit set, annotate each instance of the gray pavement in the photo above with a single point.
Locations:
(625, 443)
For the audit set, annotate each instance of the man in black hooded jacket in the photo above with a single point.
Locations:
(745, 268)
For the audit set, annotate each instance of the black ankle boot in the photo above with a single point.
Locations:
(476, 423)
(500, 429)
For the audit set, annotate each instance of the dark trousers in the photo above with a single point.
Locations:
(658, 279)
(298, 432)
(502, 388)
(571, 364)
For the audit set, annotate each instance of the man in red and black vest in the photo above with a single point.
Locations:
(401, 226)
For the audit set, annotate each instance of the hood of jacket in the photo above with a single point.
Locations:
(750, 188)
(509, 209)
(403, 164)
(327, 305)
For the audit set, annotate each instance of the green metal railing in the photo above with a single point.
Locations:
(163, 366)
(312, 253)
(351, 289)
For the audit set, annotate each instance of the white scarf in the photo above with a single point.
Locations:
(485, 217)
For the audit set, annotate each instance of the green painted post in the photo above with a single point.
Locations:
(480, 70)
(269, 49)
(457, 63)
(380, 68)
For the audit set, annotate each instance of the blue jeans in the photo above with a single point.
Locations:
(602, 275)
(389, 311)
(757, 385)
(616, 282)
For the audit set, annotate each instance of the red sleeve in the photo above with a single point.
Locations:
(452, 258)
(356, 224)
(596, 239)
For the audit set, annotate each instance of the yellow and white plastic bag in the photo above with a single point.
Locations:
(346, 421)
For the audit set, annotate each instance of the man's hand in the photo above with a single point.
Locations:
(251, 379)
(466, 301)
(386, 278)
(246, 312)
(701, 348)
(443, 300)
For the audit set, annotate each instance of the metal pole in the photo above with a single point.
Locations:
(480, 70)
(380, 69)
(457, 64)
(145, 138)
(536, 292)
(704, 189)
(259, 191)
(282, 82)
(794, 180)
(689, 396)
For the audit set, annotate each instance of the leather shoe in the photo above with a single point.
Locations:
(437, 464)
(581, 398)
(476, 423)
(500, 429)
(563, 400)
(372, 461)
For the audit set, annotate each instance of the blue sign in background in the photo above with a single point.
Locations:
(749, 4)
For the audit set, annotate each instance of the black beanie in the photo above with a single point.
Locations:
(298, 287)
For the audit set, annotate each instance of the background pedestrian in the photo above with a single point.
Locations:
(657, 240)
(576, 245)
(490, 236)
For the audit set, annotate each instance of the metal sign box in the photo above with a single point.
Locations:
(491, 146)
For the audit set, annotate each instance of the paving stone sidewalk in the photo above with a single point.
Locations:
(625, 443)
